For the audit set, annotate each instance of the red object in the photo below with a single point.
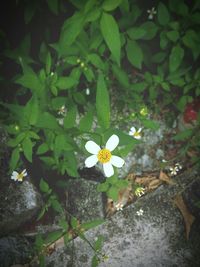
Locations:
(191, 111)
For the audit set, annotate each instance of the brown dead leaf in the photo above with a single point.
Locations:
(154, 184)
(165, 178)
(188, 217)
(145, 180)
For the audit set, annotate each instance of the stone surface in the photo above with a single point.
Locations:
(83, 200)
(19, 202)
(157, 238)
(15, 250)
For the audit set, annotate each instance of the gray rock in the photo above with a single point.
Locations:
(157, 238)
(83, 200)
(19, 202)
(15, 250)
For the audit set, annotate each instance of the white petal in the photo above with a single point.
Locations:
(140, 129)
(92, 147)
(24, 172)
(14, 175)
(137, 137)
(117, 161)
(108, 169)
(91, 161)
(112, 142)
(133, 130)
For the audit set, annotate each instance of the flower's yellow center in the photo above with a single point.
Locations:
(20, 176)
(104, 155)
(137, 134)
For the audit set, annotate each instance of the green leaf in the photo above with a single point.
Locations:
(48, 121)
(159, 57)
(110, 32)
(14, 159)
(74, 223)
(103, 187)
(121, 76)
(139, 87)
(150, 29)
(150, 124)
(136, 33)
(99, 242)
(183, 135)
(86, 121)
(70, 31)
(175, 58)
(43, 148)
(53, 5)
(29, 12)
(27, 146)
(48, 63)
(163, 14)
(173, 35)
(70, 118)
(53, 236)
(30, 81)
(56, 205)
(66, 82)
(102, 103)
(109, 5)
(89, 225)
(96, 61)
(44, 187)
(61, 144)
(113, 193)
(34, 111)
(134, 54)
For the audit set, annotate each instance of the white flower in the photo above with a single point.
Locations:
(179, 166)
(18, 176)
(140, 212)
(135, 133)
(173, 170)
(119, 206)
(139, 191)
(62, 111)
(104, 155)
(151, 13)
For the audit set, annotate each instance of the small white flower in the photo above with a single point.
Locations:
(179, 166)
(119, 206)
(62, 110)
(139, 191)
(135, 133)
(18, 176)
(173, 170)
(151, 12)
(87, 91)
(140, 212)
(104, 156)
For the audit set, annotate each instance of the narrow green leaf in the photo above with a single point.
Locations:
(48, 63)
(113, 193)
(176, 58)
(110, 32)
(163, 14)
(121, 76)
(70, 118)
(134, 54)
(150, 124)
(109, 5)
(86, 122)
(30, 81)
(96, 61)
(183, 135)
(14, 159)
(53, 236)
(27, 146)
(34, 111)
(102, 103)
(89, 225)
